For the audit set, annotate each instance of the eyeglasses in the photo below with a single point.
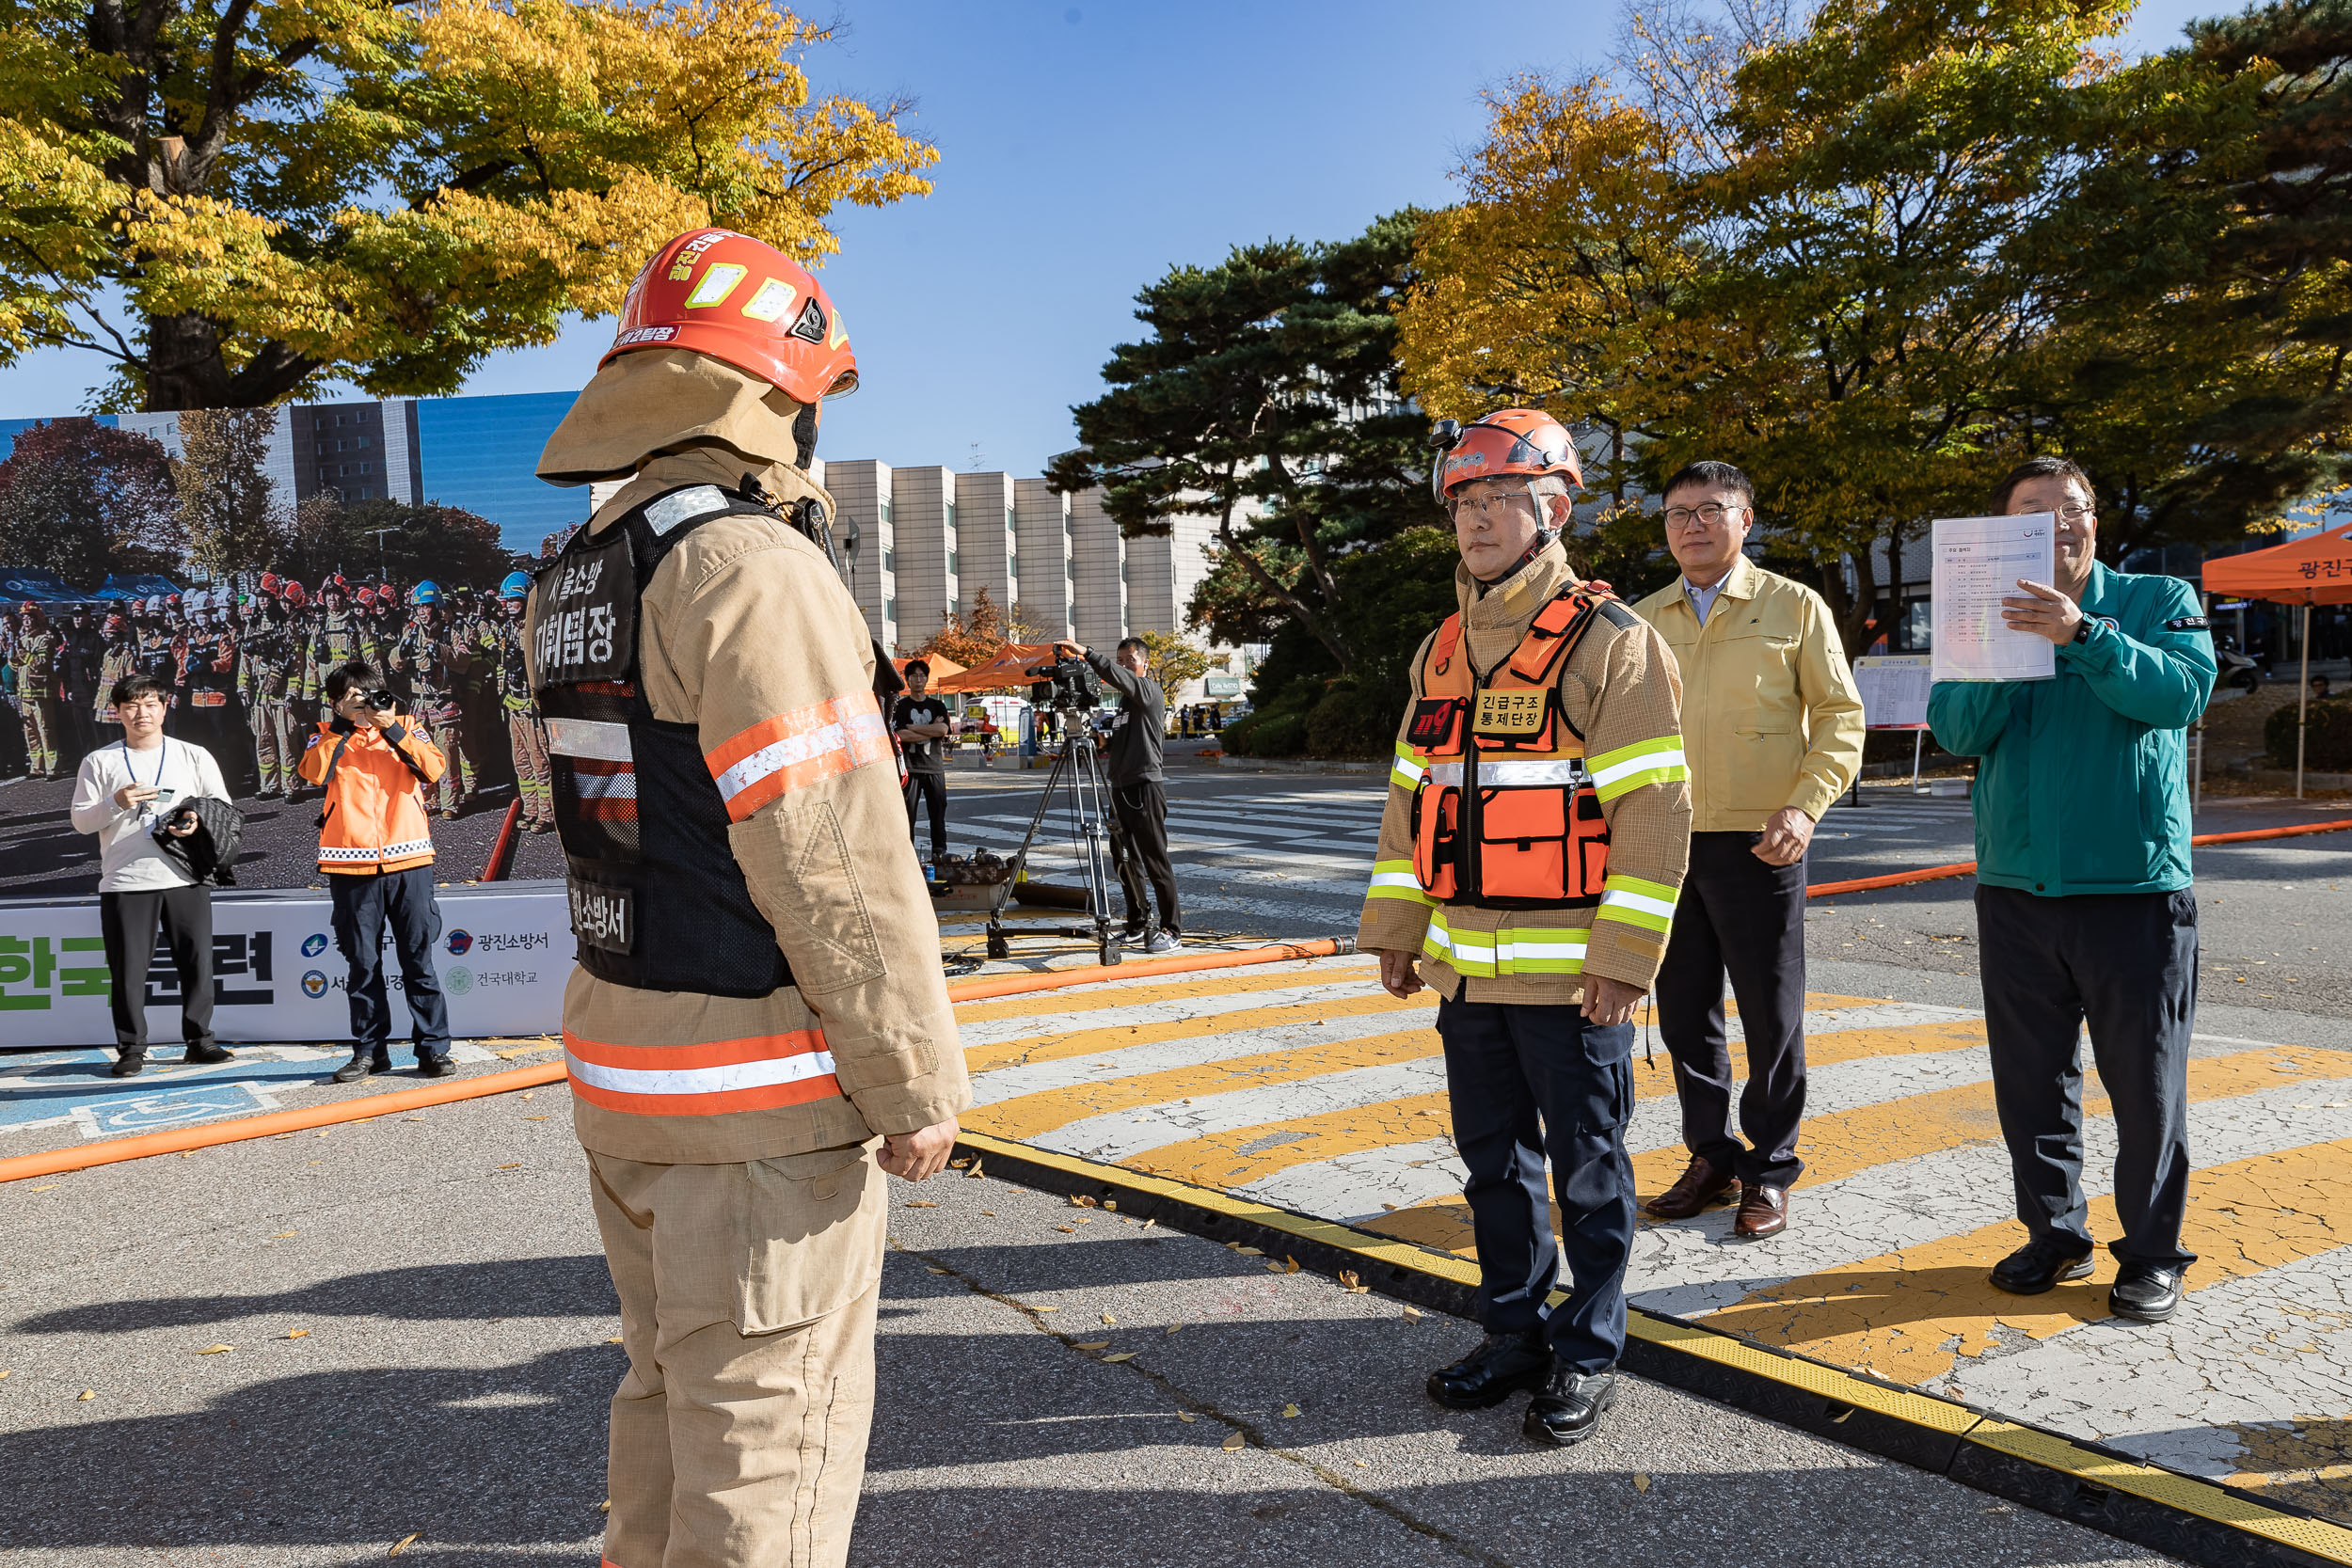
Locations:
(1494, 503)
(1711, 513)
(2075, 514)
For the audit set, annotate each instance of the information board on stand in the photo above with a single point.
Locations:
(1894, 689)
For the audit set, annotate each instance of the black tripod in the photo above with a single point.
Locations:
(1080, 767)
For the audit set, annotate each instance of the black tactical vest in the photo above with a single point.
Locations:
(658, 900)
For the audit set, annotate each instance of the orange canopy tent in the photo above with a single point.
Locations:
(1008, 670)
(2309, 571)
(941, 666)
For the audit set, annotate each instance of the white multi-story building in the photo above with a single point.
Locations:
(930, 539)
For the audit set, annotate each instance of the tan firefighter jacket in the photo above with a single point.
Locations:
(1620, 691)
(746, 633)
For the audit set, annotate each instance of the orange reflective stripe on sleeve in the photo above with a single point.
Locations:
(794, 750)
(756, 1074)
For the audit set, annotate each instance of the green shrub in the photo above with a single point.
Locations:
(1353, 720)
(2326, 740)
(1275, 732)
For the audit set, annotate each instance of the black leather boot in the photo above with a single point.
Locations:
(1501, 1366)
(1566, 1409)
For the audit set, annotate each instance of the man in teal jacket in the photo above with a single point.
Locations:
(2084, 907)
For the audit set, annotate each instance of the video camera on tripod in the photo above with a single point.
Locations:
(1066, 686)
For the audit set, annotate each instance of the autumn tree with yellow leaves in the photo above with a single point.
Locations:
(232, 199)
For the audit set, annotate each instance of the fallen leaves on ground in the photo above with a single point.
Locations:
(86, 1394)
(531, 1094)
(614, 1341)
(535, 1119)
(1044, 1308)
(987, 1214)
(297, 1334)
(1187, 1417)
(215, 1350)
(1111, 1205)
(1093, 1344)
(1641, 1481)
(1110, 1317)
(920, 1203)
(935, 1271)
(1067, 1229)
(1174, 1327)
(1351, 1283)
(605, 1507)
(976, 1173)
(1120, 1356)
(1413, 1314)
(1080, 1200)
(1290, 1264)
(1290, 1412)
(1233, 1440)
(404, 1543)
(1246, 1251)
(283, 1234)
(512, 1165)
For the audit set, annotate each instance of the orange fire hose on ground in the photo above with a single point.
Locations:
(368, 1107)
(1968, 868)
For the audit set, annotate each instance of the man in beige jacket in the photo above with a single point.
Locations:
(1773, 731)
(757, 1029)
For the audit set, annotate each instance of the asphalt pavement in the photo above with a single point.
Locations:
(309, 1349)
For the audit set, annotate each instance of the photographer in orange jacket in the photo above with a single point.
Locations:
(376, 844)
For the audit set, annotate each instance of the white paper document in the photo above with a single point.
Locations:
(1894, 690)
(1977, 562)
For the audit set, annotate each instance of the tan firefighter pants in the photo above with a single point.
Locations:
(748, 1300)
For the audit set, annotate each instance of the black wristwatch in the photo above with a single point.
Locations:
(2082, 629)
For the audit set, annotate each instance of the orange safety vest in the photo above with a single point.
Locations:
(1504, 813)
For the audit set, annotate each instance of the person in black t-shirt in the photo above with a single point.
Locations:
(921, 724)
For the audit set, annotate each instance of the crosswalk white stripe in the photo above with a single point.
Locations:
(1168, 1056)
(1687, 1269)
(1404, 1176)
(1347, 976)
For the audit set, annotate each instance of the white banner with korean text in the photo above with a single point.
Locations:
(503, 955)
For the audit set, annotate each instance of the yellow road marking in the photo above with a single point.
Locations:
(1840, 1144)
(1083, 1043)
(1907, 1315)
(1836, 1146)
(1219, 1160)
(1088, 999)
(1027, 1115)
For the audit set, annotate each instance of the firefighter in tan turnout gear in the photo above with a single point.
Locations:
(758, 1028)
(1537, 827)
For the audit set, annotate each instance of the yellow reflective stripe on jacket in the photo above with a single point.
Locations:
(1648, 762)
(1406, 770)
(1395, 879)
(1648, 905)
(1525, 950)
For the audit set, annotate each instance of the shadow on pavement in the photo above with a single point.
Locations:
(575, 1287)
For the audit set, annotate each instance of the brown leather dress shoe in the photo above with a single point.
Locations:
(1763, 1212)
(1700, 1185)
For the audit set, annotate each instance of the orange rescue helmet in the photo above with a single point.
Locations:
(1508, 441)
(715, 292)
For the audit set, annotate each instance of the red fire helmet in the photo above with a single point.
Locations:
(1508, 441)
(742, 300)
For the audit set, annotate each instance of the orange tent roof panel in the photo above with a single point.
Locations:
(2313, 570)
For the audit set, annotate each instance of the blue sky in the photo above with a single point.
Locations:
(1084, 149)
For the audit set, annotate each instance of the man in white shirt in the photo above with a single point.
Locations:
(121, 795)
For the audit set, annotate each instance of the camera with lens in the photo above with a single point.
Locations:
(1067, 685)
(382, 701)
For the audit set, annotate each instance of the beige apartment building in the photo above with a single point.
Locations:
(930, 539)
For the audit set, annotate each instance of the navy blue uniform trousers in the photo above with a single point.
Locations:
(365, 903)
(1526, 1082)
